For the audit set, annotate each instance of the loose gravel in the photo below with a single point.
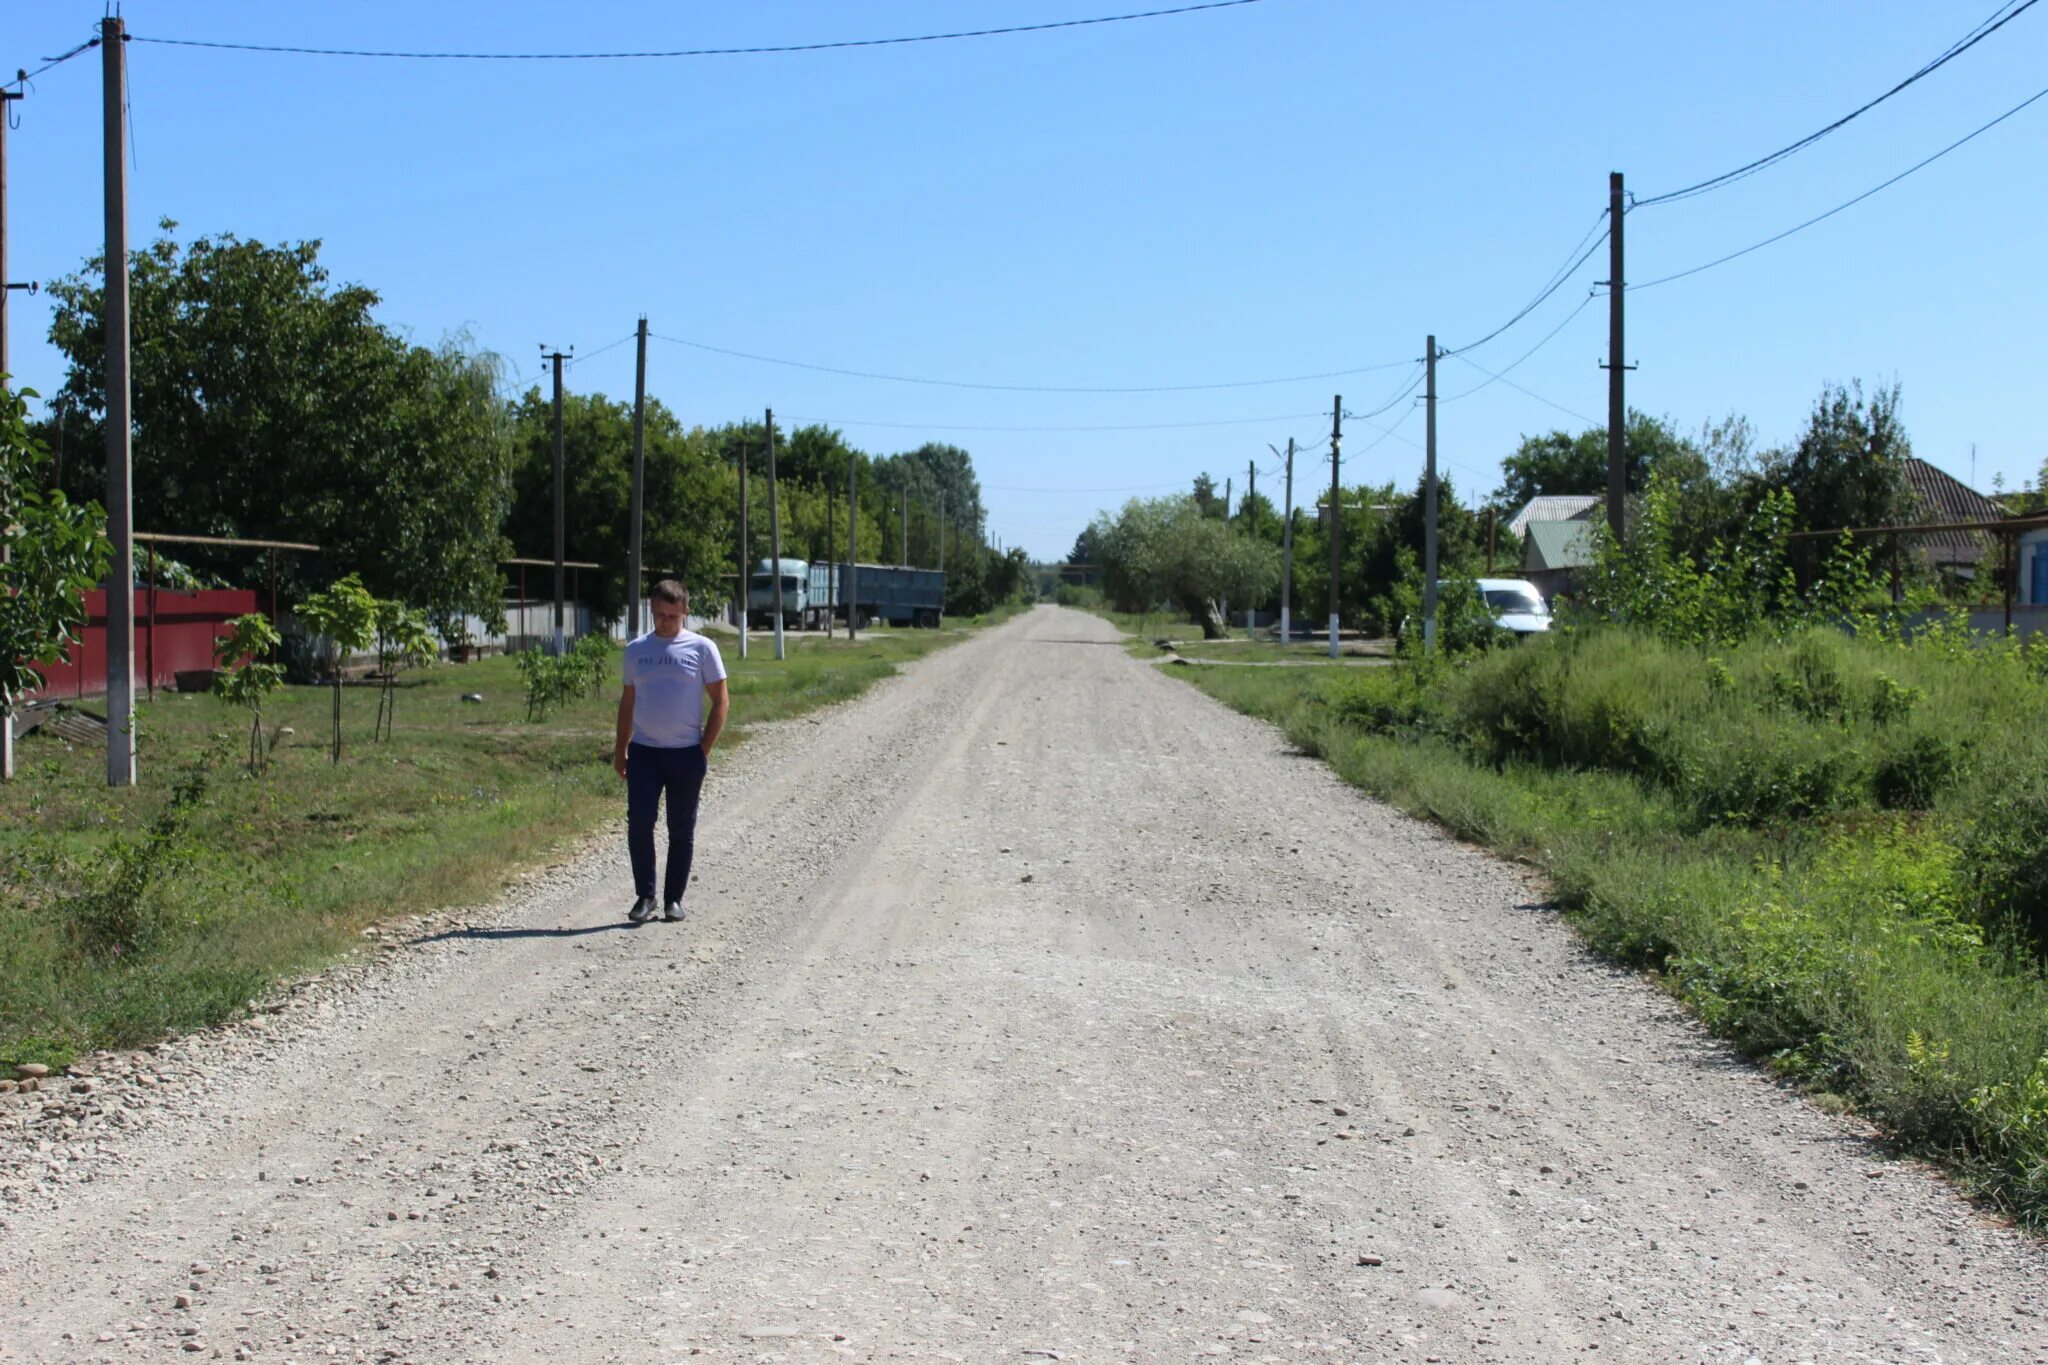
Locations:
(1033, 1007)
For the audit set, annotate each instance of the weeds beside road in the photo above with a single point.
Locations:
(1830, 849)
(126, 916)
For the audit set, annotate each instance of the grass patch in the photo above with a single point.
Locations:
(1723, 823)
(126, 916)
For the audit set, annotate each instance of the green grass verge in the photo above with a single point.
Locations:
(1842, 952)
(112, 938)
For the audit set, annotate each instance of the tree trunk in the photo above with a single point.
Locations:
(1202, 611)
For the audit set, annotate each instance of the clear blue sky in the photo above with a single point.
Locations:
(1290, 187)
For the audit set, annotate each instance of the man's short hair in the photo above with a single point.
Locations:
(671, 592)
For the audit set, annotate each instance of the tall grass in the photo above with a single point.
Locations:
(1830, 848)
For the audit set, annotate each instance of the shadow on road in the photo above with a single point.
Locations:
(489, 935)
(1114, 643)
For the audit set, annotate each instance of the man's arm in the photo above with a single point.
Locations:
(623, 734)
(721, 702)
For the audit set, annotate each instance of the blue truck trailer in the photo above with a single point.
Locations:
(891, 593)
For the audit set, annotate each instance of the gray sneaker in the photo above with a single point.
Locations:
(672, 912)
(642, 911)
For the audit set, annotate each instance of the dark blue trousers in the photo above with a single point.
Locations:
(649, 773)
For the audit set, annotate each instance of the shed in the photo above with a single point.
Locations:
(1556, 507)
(1553, 552)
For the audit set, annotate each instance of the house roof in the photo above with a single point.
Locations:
(1555, 507)
(1557, 545)
(1938, 497)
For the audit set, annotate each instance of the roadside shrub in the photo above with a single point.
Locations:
(1382, 701)
(1910, 774)
(2006, 846)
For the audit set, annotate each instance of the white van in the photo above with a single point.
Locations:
(1516, 605)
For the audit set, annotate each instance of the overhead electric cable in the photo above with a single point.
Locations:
(1026, 388)
(22, 78)
(1547, 338)
(756, 51)
(1138, 426)
(1779, 237)
(1131, 488)
(572, 361)
(1975, 36)
(1557, 282)
(1502, 377)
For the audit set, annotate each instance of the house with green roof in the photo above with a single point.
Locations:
(1553, 552)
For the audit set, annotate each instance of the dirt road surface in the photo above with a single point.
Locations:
(1033, 1007)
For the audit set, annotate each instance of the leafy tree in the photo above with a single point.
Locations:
(247, 679)
(270, 403)
(404, 640)
(1848, 468)
(1171, 550)
(346, 615)
(54, 551)
(1558, 462)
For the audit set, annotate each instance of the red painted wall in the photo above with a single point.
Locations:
(186, 626)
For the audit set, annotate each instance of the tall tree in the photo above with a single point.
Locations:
(1559, 462)
(1849, 465)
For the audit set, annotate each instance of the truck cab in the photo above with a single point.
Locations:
(794, 592)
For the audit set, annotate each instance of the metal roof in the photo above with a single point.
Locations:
(1558, 545)
(1555, 507)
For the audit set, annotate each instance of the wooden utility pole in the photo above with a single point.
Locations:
(633, 581)
(561, 513)
(120, 416)
(1429, 498)
(1617, 399)
(1336, 509)
(746, 547)
(6, 377)
(1492, 534)
(852, 548)
(775, 533)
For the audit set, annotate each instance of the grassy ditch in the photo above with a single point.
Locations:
(128, 916)
(1831, 850)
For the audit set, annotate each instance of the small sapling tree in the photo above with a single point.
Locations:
(404, 640)
(51, 552)
(246, 679)
(346, 615)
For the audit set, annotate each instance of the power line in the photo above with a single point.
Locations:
(1132, 488)
(602, 349)
(1548, 336)
(22, 78)
(763, 50)
(1557, 282)
(1958, 48)
(1502, 378)
(1137, 426)
(1023, 388)
(1779, 237)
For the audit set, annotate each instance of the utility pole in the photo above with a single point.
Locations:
(1251, 486)
(120, 416)
(561, 514)
(1617, 401)
(905, 561)
(1287, 549)
(1224, 605)
(775, 532)
(1492, 535)
(639, 483)
(1429, 500)
(852, 548)
(746, 547)
(6, 288)
(1336, 509)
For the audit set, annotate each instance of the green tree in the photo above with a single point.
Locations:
(1558, 462)
(54, 550)
(1848, 468)
(346, 616)
(246, 680)
(404, 640)
(270, 403)
(1171, 550)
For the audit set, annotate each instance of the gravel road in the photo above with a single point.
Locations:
(1033, 1007)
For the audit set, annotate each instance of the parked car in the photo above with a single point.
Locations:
(1516, 604)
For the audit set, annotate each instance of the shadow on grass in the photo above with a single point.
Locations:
(493, 935)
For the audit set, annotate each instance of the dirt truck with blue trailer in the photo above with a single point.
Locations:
(762, 591)
(889, 593)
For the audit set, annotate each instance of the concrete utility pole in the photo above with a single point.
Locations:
(1336, 509)
(852, 549)
(639, 484)
(775, 533)
(561, 513)
(831, 558)
(746, 547)
(120, 416)
(1617, 401)
(1429, 499)
(7, 721)
(1287, 548)
(1224, 606)
(905, 561)
(1251, 486)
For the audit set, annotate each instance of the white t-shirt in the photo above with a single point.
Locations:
(668, 679)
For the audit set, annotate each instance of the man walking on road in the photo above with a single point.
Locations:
(663, 743)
